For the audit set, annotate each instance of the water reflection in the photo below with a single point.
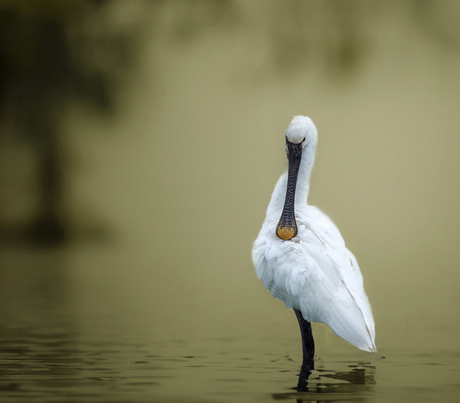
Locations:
(57, 363)
(101, 360)
(35, 286)
(353, 384)
(61, 362)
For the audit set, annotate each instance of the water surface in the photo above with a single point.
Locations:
(66, 357)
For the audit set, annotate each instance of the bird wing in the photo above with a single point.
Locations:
(335, 294)
(316, 274)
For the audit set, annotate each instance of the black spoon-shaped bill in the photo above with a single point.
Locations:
(287, 226)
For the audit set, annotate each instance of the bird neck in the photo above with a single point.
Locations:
(303, 179)
(276, 204)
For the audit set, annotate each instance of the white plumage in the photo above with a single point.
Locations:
(313, 272)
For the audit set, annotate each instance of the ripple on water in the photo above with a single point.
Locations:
(67, 365)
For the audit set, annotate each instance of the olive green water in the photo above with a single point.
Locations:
(64, 339)
(115, 363)
(154, 298)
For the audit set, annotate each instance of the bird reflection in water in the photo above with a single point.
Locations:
(351, 385)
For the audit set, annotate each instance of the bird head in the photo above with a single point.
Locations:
(302, 130)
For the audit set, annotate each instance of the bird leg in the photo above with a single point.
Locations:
(308, 349)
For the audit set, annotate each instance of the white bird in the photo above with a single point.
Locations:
(301, 257)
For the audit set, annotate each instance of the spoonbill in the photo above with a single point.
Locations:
(301, 257)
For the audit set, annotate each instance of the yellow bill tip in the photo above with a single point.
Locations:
(286, 233)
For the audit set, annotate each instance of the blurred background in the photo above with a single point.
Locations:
(140, 142)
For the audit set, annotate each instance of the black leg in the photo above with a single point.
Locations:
(308, 349)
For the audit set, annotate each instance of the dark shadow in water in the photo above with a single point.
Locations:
(351, 385)
(36, 358)
(59, 363)
(33, 286)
